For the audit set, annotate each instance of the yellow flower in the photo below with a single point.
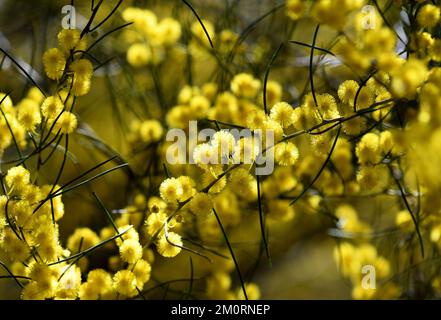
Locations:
(85, 236)
(347, 91)
(150, 131)
(283, 113)
(428, 16)
(199, 32)
(199, 106)
(52, 107)
(368, 149)
(88, 291)
(18, 177)
(29, 114)
(201, 204)
(294, 9)
(188, 187)
(139, 55)
(223, 142)
(82, 68)
(155, 222)
(32, 292)
(54, 63)
(286, 153)
(327, 106)
(69, 39)
(171, 190)
(142, 270)
(170, 31)
(66, 123)
(125, 283)
(130, 251)
(244, 85)
(169, 246)
(273, 93)
(252, 290)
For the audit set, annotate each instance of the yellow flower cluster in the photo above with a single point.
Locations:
(67, 63)
(352, 258)
(149, 39)
(358, 145)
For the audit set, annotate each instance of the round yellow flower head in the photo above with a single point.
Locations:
(428, 16)
(219, 281)
(372, 177)
(327, 106)
(280, 211)
(171, 190)
(125, 283)
(379, 40)
(286, 153)
(52, 107)
(139, 55)
(88, 291)
(129, 233)
(188, 187)
(21, 210)
(69, 285)
(80, 86)
(18, 178)
(66, 123)
(209, 90)
(409, 77)
(403, 219)
(273, 93)
(199, 106)
(150, 131)
(367, 149)
(283, 113)
(201, 204)
(85, 236)
(29, 114)
(32, 292)
(205, 155)
(199, 32)
(130, 251)
(252, 290)
(54, 63)
(244, 85)
(365, 98)
(46, 277)
(35, 94)
(295, 9)
(170, 31)
(82, 68)
(224, 142)
(69, 39)
(323, 11)
(142, 270)
(344, 255)
(347, 91)
(386, 141)
(360, 293)
(389, 62)
(101, 279)
(155, 222)
(169, 246)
